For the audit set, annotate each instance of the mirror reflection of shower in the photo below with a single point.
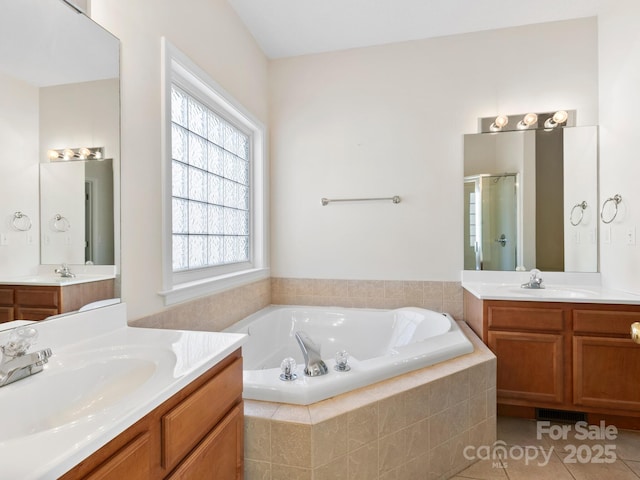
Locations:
(491, 222)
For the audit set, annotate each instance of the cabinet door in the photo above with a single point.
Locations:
(220, 455)
(606, 372)
(6, 314)
(530, 366)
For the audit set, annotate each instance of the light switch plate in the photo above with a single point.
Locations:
(631, 236)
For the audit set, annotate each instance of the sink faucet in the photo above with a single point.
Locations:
(15, 362)
(313, 364)
(64, 271)
(535, 281)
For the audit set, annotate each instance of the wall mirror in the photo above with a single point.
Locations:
(67, 66)
(530, 200)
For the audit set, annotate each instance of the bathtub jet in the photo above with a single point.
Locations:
(381, 344)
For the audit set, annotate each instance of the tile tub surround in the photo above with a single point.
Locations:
(414, 426)
(433, 295)
(221, 310)
(213, 312)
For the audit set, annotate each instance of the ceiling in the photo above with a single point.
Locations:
(285, 28)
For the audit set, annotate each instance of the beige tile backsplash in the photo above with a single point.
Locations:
(438, 296)
(219, 311)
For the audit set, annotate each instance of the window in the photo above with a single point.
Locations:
(210, 186)
(214, 199)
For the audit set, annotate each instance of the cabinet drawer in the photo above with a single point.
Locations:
(220, 455)
(38, 297)
(532, 319)
(132, 462)
(28, 313)
(6, 296)
(604, 321)
(185, 425)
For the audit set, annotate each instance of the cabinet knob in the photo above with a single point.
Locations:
(635, 332)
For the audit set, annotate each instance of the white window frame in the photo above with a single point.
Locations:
(185, 285)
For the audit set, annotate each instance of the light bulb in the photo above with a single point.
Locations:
(559, 117)
(97, 155)
(68, 154)
(529, 119)
(501, 121)
(84, 153)
(53, 155)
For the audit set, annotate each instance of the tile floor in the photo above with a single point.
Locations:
(558, 458)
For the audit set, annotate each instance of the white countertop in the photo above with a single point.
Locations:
(103, 376)
(53, 280)
(45, 275)
(551, 293)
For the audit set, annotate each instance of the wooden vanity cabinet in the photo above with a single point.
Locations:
(37, 302)
(197, 433)
(563, 356)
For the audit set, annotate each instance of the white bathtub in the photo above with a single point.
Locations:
(381, 344)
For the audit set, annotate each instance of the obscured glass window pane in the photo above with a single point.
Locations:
(211, 161)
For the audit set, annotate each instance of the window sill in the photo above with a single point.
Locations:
(191, 290)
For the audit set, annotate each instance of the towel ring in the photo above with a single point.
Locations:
(21, 222)
(60, 223)
(616, 199)
(582, 206)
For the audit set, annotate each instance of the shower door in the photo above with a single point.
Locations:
(491, 222)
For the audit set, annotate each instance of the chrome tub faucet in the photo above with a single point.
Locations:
(15, 362)
(313, 364)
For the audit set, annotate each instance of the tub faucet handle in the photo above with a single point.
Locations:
(288, 368)
(342, 357)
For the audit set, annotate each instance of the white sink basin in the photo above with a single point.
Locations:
(77, 387)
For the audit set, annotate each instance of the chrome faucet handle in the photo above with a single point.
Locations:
(342, 357)
(20, 339)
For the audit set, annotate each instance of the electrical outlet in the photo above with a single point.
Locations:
(631, 236)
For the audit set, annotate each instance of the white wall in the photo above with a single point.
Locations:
(212, 35)
(389, 120)
(619, 44)
(19, 253)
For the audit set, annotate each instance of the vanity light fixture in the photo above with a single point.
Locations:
(83, 153)
(558, 118)
(527, 121)
(499, 123)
